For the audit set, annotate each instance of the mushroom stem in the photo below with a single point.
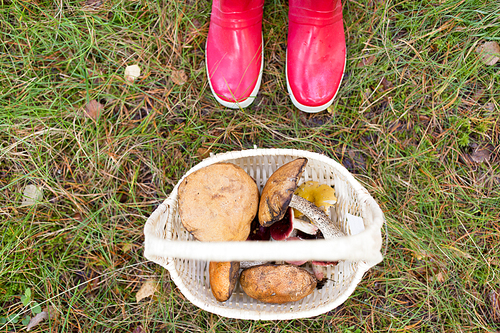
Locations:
(316, 216)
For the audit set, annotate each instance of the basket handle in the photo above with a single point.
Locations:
(363, 246)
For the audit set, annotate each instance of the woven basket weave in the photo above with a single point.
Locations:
(168, 244)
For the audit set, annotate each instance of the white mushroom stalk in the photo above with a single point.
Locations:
(304, 226)
(317, 217)
(248, 264)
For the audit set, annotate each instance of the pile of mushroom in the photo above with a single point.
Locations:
(219, 203)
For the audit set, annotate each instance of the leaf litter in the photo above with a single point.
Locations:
(32, 195)
(179, 77)
(482, 154)
(47, 313)
(494, 298)
(93, 109)
(132, 72)
(489, 53)
(149, 288)
(139, 329)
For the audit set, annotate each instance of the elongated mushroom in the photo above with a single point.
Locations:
(223, 278)
(278, 195)
(320, 268)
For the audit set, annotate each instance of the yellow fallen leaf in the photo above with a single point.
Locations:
(147, 289)
(127, 247)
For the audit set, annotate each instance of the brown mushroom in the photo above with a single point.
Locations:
(218, 203)
(223, 278)
(277, 283)
(278, 194)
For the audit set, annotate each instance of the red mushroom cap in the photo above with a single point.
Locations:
(283, 228)
(258, 232)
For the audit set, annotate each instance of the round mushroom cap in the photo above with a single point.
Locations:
(278, 191)
(218, 203)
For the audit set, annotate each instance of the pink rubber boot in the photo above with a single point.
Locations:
(316, 53)
(234, 51)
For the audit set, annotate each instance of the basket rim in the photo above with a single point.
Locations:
(221, 157)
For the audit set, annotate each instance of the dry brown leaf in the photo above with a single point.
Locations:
(94, 4)
(494, 297)
(139, 329)
(45, 314)
(179, 77)
(489, 53)
(386, 84)
(367, 61)
(93, 109)
(482, 154)
(489, 106)
(78, 217)
(178, 157)
(147, 289)
(440, 277)
(127, 247)
(478, 94)
(203, 153)
(37, 320)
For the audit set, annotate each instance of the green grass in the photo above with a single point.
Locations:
(414, 105)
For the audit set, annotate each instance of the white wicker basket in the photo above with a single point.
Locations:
(170, 245)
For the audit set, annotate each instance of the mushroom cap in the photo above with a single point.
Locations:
(322, 195)
(277, 283)
(218, 203)
(258, 232)
(278, 191)
(223, 278)
(283, 228)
